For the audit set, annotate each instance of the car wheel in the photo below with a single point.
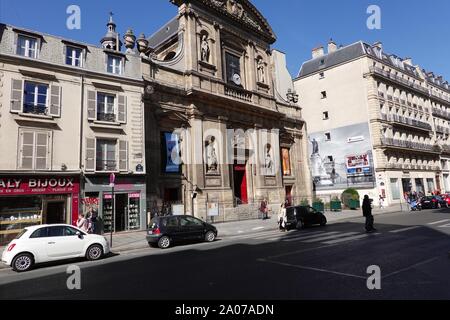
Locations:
(210, 236)
(94, 252)
(300, 225)
(22, 262)
(324, 221)
(164, 242)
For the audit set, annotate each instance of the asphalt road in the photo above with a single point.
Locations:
(411, 250)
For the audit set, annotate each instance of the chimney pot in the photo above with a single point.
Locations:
(318, 52)
(332, 47)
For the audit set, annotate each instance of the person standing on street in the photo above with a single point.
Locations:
(82, 223)
(381, 202)
(282, 218)
(367, 213)
(264, 209)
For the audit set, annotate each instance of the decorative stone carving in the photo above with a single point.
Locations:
(205, 52)
(212, 164)
(269, 166)
(142, 43)
(261, 70)
(130, 40)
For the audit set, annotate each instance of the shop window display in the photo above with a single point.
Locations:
(17, 213)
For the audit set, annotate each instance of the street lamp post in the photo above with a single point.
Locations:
(112, 180)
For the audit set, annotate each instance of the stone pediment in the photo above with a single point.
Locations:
(242, 11)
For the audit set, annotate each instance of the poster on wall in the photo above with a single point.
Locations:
(342, 158)
(213, 209)
(172, 153)
(286, 161)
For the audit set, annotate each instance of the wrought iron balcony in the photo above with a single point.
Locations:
(35, 109)
(106, 165)
(442, 129)
(407, 121)
(405, 144)
(442, 114)
(390, 76)
(108, 117)
(441, 97)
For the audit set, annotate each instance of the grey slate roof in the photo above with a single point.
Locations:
(166, 32)
(341, 55)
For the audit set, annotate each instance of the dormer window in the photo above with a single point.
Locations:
(115, 65)
(74, 56)
(27, 46)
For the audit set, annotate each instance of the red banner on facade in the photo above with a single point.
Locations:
(29, 186)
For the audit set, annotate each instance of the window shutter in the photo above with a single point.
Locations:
(123, 155)
(90, 155)
(122, 109)
(16, 95)
(92, 105)
(42, 154)
(55, 101)
(26, 150)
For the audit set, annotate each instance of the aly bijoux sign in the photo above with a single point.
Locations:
(48, 185)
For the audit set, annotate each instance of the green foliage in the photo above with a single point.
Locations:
(349, 194)
(304, 202)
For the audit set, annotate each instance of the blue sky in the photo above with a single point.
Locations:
(409, 28)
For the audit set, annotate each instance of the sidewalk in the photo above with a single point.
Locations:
(126, 241)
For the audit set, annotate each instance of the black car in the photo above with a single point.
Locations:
(163, 231)
(433, 202)
(303, 216)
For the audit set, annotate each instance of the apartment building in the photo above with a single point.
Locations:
(376, 122)
(70, 115)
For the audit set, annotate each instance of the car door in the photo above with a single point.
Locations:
(191, 228)
(172, 228)
(37, 244)
(63, 242)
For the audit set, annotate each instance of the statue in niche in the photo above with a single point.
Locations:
(205, 52)
(261, 71)
(268, 161)
(211, 156)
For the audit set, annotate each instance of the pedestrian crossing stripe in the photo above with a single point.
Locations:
(321, 239)
(307, 237)
(438, 222)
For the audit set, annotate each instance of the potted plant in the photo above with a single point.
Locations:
(350, 198)
(318, 205)
(335, 204)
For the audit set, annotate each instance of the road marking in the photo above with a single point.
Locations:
(240, 231)
(359, 237)
(340, 235)
(405, 229)
(445, 226)
(437, 222)
(258, 228)
(306, 237)
(259, 234)
(411, 267)
(312, 269)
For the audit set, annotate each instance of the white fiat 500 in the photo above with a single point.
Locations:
(45, 243)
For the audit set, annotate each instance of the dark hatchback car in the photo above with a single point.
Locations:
(163, 231)
(303, 216)
(433, 202)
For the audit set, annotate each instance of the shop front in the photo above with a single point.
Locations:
(27, 201)
(121, 210)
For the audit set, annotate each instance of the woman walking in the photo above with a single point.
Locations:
(282, 218)
(367, 213)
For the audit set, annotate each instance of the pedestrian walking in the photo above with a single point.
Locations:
(82, 223)
(282, 218)
(367, 213)
(381, 202)
(264, 209)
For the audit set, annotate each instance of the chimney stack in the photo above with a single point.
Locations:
(318, 52)
(332, 47)
(408, 61)
(379, 45)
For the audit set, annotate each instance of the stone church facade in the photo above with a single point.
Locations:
(223, 127)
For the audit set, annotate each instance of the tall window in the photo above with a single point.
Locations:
(74, 56)
(35, 98)
(27, 46)
(106, 155)
(34, 150)
(106, 107)
(233, 65)
(114, 64)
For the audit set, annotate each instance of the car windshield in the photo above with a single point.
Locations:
(21, 234)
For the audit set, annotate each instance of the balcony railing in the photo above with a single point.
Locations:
(440, 96)
(442, 129)
(442, 114)
(405, 144)
(446, 149)
(238, 93)
(398, 79)
(35, 109)
(106, 165)
(404, 166)
(405, 120)
(109, 117)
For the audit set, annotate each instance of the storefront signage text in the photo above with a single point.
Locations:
(38, 185)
